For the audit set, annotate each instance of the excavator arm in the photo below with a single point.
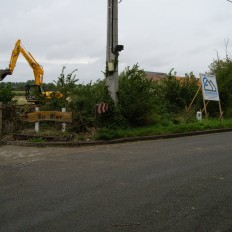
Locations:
(38, 71)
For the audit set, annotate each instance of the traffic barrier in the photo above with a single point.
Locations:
(102, 108)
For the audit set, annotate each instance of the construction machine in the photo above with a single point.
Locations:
(34, 93)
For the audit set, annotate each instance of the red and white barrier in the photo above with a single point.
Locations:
(102, 108)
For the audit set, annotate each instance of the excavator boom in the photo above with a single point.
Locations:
(36, 67)
(37, 70)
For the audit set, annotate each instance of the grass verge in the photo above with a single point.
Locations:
(108, 134)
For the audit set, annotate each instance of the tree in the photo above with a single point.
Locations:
(222, 69)
(83, 100)
(178, 92)
(66, 83)
(6, 92)
(64, 86)
(135, 95)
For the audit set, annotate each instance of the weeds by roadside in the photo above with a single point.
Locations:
(108, 134)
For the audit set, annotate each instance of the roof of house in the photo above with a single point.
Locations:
(155, 76)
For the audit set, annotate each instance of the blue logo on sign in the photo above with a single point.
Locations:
(209, 85)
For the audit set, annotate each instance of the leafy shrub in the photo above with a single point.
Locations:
(177, 93)
(83, 100)
(6, 93)
(66, 83)
(135, 96)
(12, 117)
(222, 69)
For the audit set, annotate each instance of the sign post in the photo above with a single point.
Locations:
(37, 122)
(63, 123)
(55, 116)
(210, 92)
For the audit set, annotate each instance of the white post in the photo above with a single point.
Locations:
(37, 123)
(63, 124)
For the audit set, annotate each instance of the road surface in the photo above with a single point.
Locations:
(182, 184)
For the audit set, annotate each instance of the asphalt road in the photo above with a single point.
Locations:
(182, 184)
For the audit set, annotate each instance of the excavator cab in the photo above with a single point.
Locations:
(34, 93)
(4, 73)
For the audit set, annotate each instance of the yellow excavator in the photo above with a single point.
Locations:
(34, 93)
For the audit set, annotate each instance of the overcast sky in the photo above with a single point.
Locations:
(157, 34)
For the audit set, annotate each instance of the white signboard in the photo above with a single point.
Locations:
(209, 87)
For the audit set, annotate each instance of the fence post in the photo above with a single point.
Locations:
(63, 124)
(1, 119)
(37, 123)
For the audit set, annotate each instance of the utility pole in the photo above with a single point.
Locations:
(112, 49)
(1, 119)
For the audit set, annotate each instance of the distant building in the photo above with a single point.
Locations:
(155, 76)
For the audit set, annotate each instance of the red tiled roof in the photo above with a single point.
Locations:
(155, 76)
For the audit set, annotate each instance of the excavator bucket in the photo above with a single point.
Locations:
(4, 73)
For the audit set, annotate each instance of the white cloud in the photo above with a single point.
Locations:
(85, 60)
(158, 35)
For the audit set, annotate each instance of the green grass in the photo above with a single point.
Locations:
(108, 134)
(19, 93)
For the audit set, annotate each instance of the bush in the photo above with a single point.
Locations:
(6, 93)
(135, 96)
(83, 100)
(222, 69)
(177, 93)
(64, 86)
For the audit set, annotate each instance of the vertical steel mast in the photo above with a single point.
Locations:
(112, 49)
